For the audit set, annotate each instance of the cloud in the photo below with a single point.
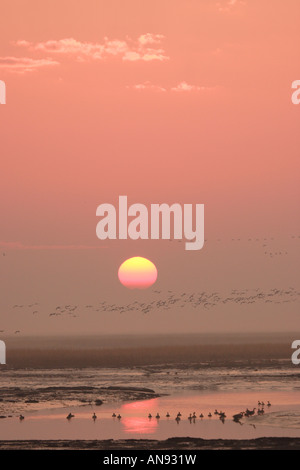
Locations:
(185, 87)
(181, 87)
(22, 43)
(145, 48)
(146, 55)
(148, 86)
(229, 5)
(25, 64)
(149, 38)
(20, 246)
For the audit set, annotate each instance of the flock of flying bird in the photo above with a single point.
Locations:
(170, 299)
(266, 244)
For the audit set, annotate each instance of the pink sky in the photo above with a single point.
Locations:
(165, 101)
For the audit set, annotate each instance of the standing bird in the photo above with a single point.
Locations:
(238, 416)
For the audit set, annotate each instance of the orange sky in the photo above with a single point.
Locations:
(183, 101)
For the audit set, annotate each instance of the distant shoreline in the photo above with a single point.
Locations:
(174, 443)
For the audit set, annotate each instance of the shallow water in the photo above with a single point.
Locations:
(282, 421)
(201, 387)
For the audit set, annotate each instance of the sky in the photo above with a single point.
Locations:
(182, 101)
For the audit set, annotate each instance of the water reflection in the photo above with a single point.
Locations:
(142, 405)
(139, 425)
(135, 420)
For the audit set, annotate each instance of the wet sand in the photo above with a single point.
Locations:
(189, 355)
(174, 443)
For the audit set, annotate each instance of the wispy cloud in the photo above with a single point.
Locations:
(229, 5)
(150, 38)
(185, 87)
(148, 86)
(146, 47)
(25, 64)
(181, 87)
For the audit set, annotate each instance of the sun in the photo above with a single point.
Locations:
(137, 273)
